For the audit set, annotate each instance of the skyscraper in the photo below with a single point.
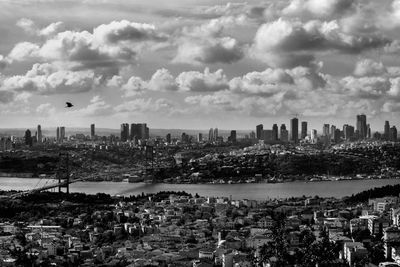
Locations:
(58, 134)
(168, 138)
(362, 126)
(216, 134)
(124, 132)
(275, 132)
(232, 137)
(393, 133)
(39, 134)
(325, 130)
(211, 135)
(332, 132)
(200, 137)
(303, 129)
(259, 129)
(139, 131)
(92, 132)
(28, 138)
(284, 135)
(368, 131)
(62, 133)
(348, 131)
(387, 130)
(294, 130)
(314, 136)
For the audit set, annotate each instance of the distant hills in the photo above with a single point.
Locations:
(51, 132)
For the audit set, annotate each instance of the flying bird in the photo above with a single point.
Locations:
(68, 105)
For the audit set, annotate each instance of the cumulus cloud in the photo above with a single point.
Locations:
(366, 87)
(96, 107)
(146, 105)
(46, 109)
(30, 27)
(110, 45)
(206, 44)
(318, 8)
(391, 107)
(368, 67)
(202, 81)
(46, 79)
(3, 62)
(286, 43)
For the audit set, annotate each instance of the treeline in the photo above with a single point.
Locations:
(388, 190)
(42, 164)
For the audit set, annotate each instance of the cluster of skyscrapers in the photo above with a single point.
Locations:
(138, 131)
(330, 133)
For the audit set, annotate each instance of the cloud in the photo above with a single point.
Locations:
(391, 107)
(30, 27)
(3, 62)
(206, 44)
(6, 96)
(286, 43)
(207, 81)
(318, 8)
(368, 67)
(366, 87)
(109, 46)
(139, 105)
(97, 107)
(47, 79)
(46, 109)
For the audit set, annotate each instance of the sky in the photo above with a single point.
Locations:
(197, 64)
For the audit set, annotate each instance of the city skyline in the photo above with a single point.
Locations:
(204, 62)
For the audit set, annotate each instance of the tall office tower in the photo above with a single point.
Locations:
(362, 126)
(393, 134)
(332, 132)
(368, 131)
(28, 138)
(39, 134)
(275, 132)
(259, 129)
(200, 137)
(124, 132)
(267, 136)
(294, 130)
(216, 134)
(168, 138)
(232, 137)
(303, 129)
(325, 130)
(284, 135)
(62, 133)
(283, 128)
(252, 135)
(314, 136)
(387, 130)
(58, 134)
(147, 132)
(211, 135)
(92, 131)
(336, 135)
(348, 131)
(185, 138)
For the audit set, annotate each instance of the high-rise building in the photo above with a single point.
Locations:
(124, 132)
(259, 129)
(216, 134)
(200, 137)
(267, 136)
(62, 134)
(336, 135)
(211, 135)
(275, 131)
(348, 132)
(28, 138)
(325, 130)
(39, 134)
(185, 138)
(387, 130)
(303, 129)
(314, 136)
(283, 128)
(284, 135)
(58, 134)
(92, 131)
(232, 137)
(139, 131)
(332, 132)
(168, 138)
(252, 135)
(368, 131)
(294, 130)
(393, 134)
(362, 126)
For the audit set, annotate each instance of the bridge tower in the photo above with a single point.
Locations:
(63, 174)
